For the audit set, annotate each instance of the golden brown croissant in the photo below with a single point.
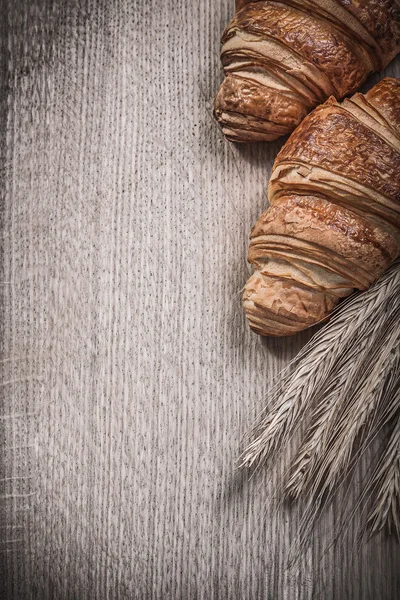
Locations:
(334, 221)
(281, 59)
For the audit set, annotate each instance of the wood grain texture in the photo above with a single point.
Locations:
(129, 374)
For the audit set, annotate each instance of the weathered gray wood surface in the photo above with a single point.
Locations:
(128, 372)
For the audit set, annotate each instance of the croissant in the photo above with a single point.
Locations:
(333, 225)
(282, 59)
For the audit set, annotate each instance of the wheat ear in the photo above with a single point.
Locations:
(345, 385)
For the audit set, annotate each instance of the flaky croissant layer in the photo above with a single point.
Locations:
(333, 224)
(281, 59)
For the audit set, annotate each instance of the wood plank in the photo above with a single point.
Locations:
(129, 373)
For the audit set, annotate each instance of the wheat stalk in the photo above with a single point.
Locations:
(345, 385)
(363, 393)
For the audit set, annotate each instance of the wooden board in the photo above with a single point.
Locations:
(129, 374)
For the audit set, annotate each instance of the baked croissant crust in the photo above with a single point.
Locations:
(333, 225)
(281, 59)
